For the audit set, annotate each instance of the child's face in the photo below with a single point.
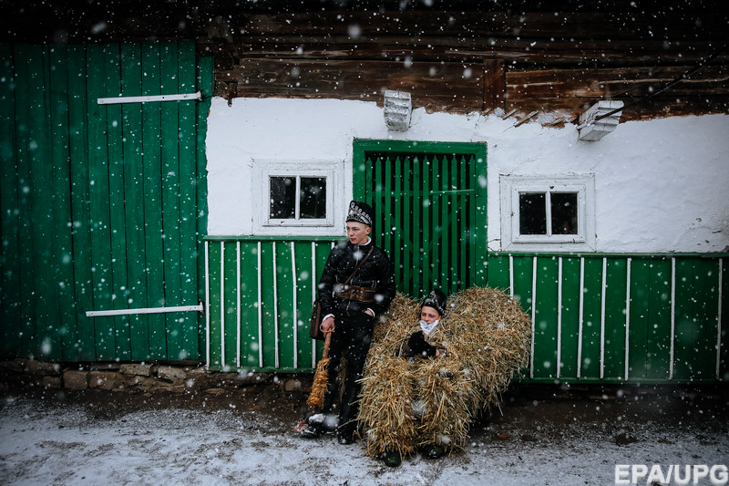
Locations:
(429, 314)
(358, 232)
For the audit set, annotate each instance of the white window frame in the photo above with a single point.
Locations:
(513, 185)
(332, 171)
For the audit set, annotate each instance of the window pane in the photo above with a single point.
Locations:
(532, 213)
(564, 213)
(283, 197)
(313, 198)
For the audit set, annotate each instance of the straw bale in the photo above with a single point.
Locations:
(407, 403)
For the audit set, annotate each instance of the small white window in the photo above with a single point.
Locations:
(548, 213)
(297, 198)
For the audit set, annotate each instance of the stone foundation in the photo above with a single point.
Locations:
(138, 377)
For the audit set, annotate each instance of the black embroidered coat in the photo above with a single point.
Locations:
(376, 273)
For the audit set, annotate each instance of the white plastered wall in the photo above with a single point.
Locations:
(660, 185)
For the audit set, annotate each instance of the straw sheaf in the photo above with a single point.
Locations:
(407, 403)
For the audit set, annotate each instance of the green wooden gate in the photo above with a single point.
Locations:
(430, 205)
(102, 204)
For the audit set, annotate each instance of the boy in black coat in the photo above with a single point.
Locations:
(350, 310)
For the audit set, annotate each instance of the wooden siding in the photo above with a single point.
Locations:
(100, 203)
(605, 319)
(618, 318)
(465, 56)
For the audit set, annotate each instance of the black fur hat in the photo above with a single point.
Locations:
(437, 300)
(361, 212)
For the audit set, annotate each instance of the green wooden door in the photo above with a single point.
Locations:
(430, 207)
(102, 203)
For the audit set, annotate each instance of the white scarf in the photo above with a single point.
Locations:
(428, 328)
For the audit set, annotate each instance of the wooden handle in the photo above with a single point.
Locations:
(327, 342)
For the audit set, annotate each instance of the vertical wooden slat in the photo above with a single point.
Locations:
(188, 322)
(153, 231)
(397, 199)
(229, 292)
(62, 292)
(84, 342)
(249, 295)
(704, 296)
(615, 308)
(416, 229)
(426, 263)
(683, 328)
(570, 307)
(117, 204)
(134, 195)
(10, 274)
(204, 84)
(171, 177)
(455, 214)
(480, 227)
(591, 318)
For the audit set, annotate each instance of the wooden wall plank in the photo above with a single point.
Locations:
(84, 346)
(99, 200)
(61, 289)
(117, 204)
(434, 86)
(154, 232)
(169, 82)
(10, 278)
(188, 188)
(135, 293)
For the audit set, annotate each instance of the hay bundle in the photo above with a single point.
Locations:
(407, 403)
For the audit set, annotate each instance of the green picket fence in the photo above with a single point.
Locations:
(101, 203)
(596, 319)
(621, 318)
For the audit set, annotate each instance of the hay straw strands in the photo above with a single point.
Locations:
(407, 403)
(319, 387)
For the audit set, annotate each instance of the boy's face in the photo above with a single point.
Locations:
(358, 232)
(429, 314)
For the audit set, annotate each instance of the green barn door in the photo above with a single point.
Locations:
(430, 207)
(104, 201)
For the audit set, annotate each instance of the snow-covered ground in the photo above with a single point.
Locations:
(532, 443)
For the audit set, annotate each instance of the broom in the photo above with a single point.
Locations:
(321, 378)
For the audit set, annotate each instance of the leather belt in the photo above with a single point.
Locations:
(365, 295)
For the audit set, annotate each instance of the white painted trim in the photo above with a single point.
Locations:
(511, 276)
(207, 299)
(145, 310)
(275, 309)
(718, 332)
(238, 317)
(559, 316)
(581, 317)
(314, 287)
(222, 303)
(115, 100)
(295, 312)
(260, 310)
(332, 170)
(627, 320)
(673, 317)
(602, 318)
(583, 184)
(534, 309)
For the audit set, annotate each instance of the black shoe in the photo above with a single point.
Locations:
(345, 438)
(393, 458)
(433, 451)
(312, 431)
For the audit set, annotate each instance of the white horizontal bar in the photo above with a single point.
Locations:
(148, 310)
(149, 99)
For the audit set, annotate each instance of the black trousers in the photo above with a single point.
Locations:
(351, 340)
